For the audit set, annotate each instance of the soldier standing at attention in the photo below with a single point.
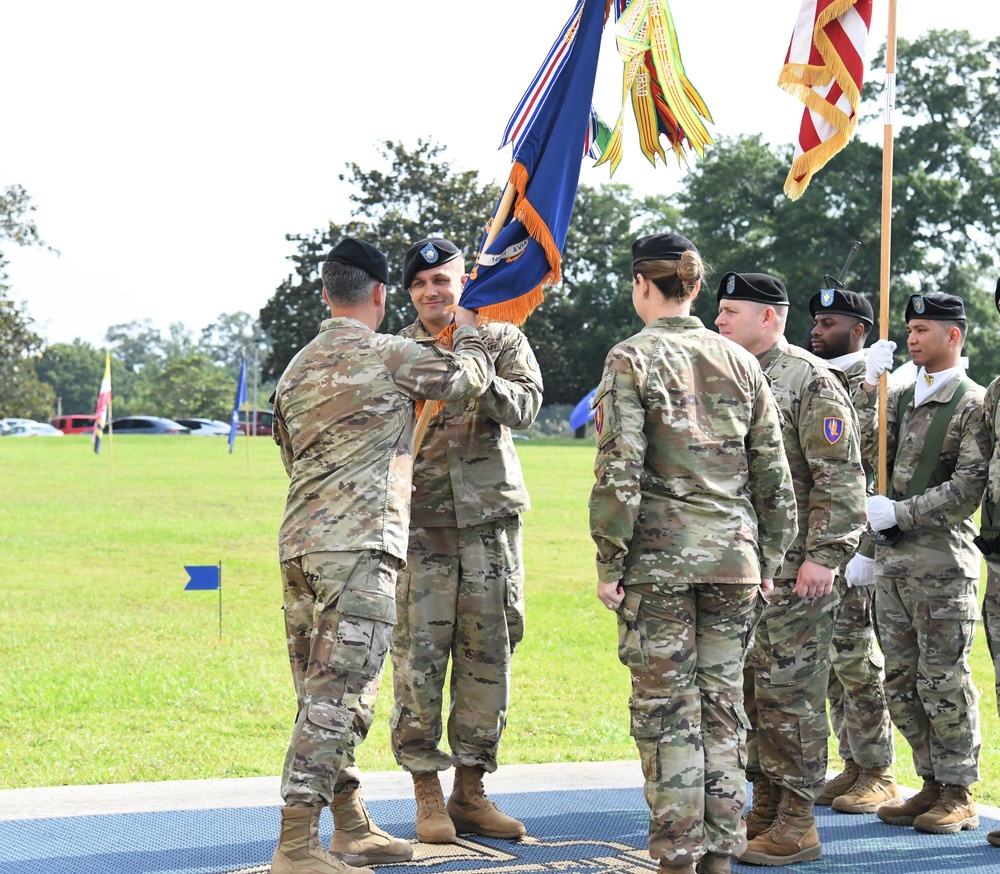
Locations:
(692, 511)
(343, 421)
(461, 596)
(788, 668)
(842, 321)
(989, 535)
(926, 566)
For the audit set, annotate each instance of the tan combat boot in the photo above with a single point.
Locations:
(765, 807)
(299, 850)
(955, 811)
(473, 813)
(840, 784)
(904, 812)
(714, 863)
(357, 840)
(791, 838)
(676, 867)
(434, 826)
(873, 787)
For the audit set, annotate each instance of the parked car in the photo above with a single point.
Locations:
(205, 427)
(34, 429)
(74, 424)
(263, 426)
(147, 425)
(7, 424)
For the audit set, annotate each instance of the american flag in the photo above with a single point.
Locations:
(825, 68)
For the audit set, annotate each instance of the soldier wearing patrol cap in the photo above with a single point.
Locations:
(989, 535)
(692, 512)
(859, 713)
(344, 422)
(926, 566)
(788, 668)
(461, 596)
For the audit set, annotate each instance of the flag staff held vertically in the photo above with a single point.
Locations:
(884, 273)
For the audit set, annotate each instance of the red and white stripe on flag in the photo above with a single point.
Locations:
(825, 68)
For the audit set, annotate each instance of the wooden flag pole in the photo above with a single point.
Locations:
(499, 220)
(890, 107)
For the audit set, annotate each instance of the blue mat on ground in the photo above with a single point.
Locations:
(598, 830)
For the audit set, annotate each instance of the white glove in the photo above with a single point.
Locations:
(881, 512)
(879, 360)
(860, 571)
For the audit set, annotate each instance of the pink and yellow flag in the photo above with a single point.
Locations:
(825, 68)
(103, 403)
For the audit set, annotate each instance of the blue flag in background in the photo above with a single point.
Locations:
(550, 131)
(203, 578)
(241, 399)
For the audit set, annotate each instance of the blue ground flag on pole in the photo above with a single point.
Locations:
(241, 399)
(550, 131)
(203, 578)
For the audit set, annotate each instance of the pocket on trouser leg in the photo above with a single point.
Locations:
(648, 731)
(633, 650)
(363, 631)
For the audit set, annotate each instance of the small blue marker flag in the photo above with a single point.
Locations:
(582, 413)
(204, 578)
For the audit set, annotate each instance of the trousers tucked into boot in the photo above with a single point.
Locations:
(299, 850)
(765, 806)
(791, 838)
(472, 812)
(434, 826)
(357, 840)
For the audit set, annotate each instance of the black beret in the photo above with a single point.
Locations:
(361, 254)
(841, 302)
(936, 307)
(996, 296)
(758, 287)
(661, 247)
(427, 253)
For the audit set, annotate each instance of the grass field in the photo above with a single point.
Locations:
(110, 672)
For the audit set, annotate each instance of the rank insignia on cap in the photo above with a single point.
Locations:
(918, 303)
(730, 285)
(833, 428)
(598, 418)
(429, 253)
(826, 297)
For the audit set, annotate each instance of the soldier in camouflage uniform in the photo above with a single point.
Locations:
(788, 668)
(461, 597)
(692, 512)
(344, 422)
(926, 583)
(842, 320)
(989, 540)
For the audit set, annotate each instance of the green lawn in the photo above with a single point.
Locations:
(110, 672)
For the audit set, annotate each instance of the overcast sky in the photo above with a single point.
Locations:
(169, 148)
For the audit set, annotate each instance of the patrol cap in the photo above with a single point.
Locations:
(758, 287)
(426, 253)
(937, 307)
(661, 247)
(841, 302)
(358, 253)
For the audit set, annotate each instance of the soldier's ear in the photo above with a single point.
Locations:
(378, 296)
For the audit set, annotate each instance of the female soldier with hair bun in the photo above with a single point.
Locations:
(692, 512)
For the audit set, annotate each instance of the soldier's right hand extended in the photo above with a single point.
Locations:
(465, 318)
(879, 360)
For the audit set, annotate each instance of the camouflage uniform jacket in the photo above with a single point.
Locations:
(692, 483)
(943, 546)
(855, 376)
(820, 430)
(343, 419)
(991, 427)
(467, 471)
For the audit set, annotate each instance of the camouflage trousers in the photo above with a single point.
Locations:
(926, 628)
(788, 671)
(858, 709)
(339, 612)
(685, 646)
(461, 598)
(991, 622)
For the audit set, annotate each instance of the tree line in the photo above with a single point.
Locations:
(945, 234)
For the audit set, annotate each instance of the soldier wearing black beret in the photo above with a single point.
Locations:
(842, 321)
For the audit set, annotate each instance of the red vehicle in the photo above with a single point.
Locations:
(262, 427)
(74, 424)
